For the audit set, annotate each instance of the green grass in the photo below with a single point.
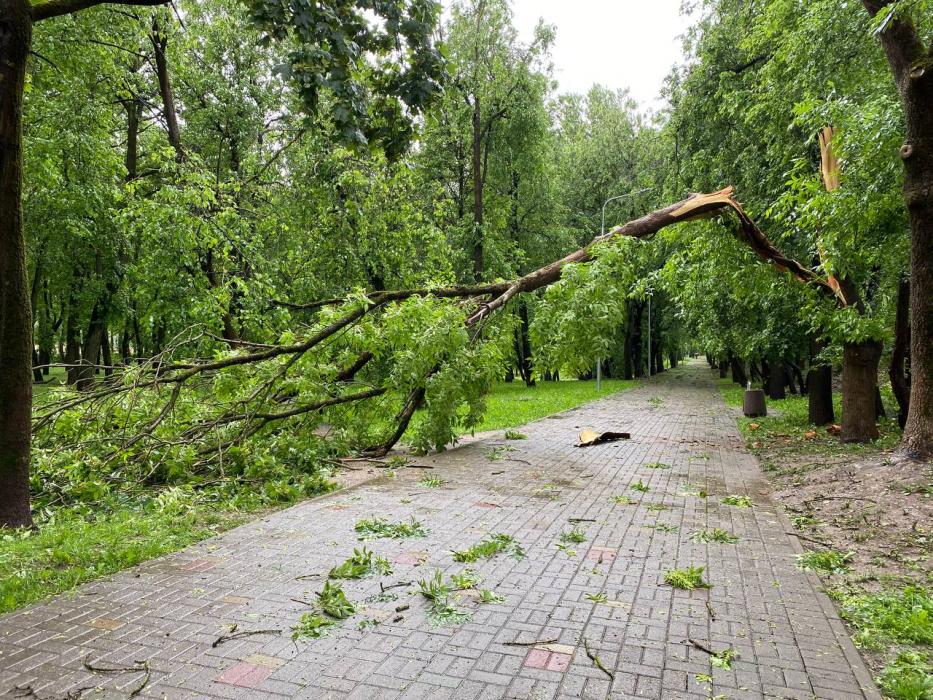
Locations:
(827, 561)
(904, 617)
(71, 549)
(899, 625)
(787, 431)
(512, 403)
(55, 378)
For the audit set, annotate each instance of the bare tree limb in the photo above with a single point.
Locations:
(57, 8)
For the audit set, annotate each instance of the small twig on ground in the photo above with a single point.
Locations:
(303, 602)
(581, 520)
(529, 644)
(807, 539)
(239, 635)
(402, 608)
(305, 577)
(596, 660)
(845, 498)
(711, 611)
(400, 584)
(145, 681)
(138, 666)
(701, 646)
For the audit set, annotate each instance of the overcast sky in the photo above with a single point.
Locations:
(618, 43)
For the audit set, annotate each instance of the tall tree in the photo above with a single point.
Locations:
(910, 57)
(379, 77)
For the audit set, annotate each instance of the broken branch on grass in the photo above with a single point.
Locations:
(807, 539)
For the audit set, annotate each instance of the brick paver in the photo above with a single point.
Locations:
(166, 614)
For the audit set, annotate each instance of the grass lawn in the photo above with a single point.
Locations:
(791, 431)
(512, 403)
(70, 550)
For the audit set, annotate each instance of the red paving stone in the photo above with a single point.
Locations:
(245, 675)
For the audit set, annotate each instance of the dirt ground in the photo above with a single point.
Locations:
(879, 507)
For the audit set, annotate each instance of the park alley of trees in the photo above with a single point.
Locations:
(224, 225)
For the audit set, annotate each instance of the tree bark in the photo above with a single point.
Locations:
(859, 384)
(910, 65)
(159, 43)
(478, 264)
(723, 369)
(628, 369)
(776, 381)
(72, 346)
(899, 371)
(524, 345)
(15, 312)
(738, 371)
(819, 389)
(638, 366)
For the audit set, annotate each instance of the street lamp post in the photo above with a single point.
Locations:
(602, 232)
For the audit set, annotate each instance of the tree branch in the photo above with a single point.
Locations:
(57, 8)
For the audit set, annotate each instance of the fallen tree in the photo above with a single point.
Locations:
(428, 347)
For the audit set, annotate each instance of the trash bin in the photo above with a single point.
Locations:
(754, 404)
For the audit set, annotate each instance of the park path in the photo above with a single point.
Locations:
(168, 612)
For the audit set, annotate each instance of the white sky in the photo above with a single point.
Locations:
(617, 43)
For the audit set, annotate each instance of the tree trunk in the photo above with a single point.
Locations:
(910, 64)
(524, 345)
(723, 369)
(628, 368)
(819, 388)
(899, 371)
(125, 345)
(159, 43)
(776, 381)
(793, 372)
(478, 265)
(106, 351)
(738, 371)
(96, 330)
(15, 313)
(637, 340)
(859, 383)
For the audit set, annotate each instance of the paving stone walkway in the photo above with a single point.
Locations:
(609, 596)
